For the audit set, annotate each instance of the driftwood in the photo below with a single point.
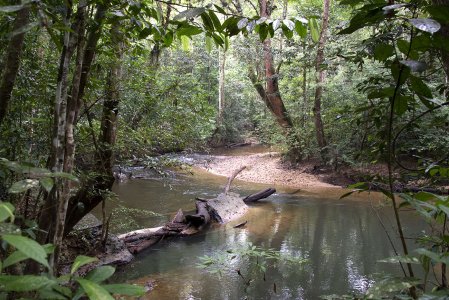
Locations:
(231, 178)
(260, 195)
(222, 209)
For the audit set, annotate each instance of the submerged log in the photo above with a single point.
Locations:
(222, 209)
(202, 217)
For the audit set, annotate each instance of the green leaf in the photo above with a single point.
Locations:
(11, 8)
(23, 185)
(217, 39)
(190, 13)
(14, 258)
(125, 289)
(94, 291)
(215, 20)
(226, 43)
(426, 196)
(231, 26)
(439, 12)
(47, 183)
(185, 41)
(100, 274)
(208, 44)
(358, 185)
(432, 255)
(401, 104)
(207, 22)
(403, 46)
(368, 15)
(168, 38)
(383, 51)
(220, 10)
(347, 194)
(419, 87)
(444, 209)
(23, 283)
(80, 261)
(427, 25)
(6, 211)
(49, 293)
(288, 33)
(263, 31)
(301, 29)
(314, 29)
(400, 74)
(27, 246)
(188, 30)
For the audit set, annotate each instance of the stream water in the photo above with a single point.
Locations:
(341, 240)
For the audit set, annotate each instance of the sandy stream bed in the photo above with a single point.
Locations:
(264, 168)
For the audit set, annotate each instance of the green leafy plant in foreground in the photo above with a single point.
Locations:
(17, 249)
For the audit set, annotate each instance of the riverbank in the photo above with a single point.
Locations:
(267, 168)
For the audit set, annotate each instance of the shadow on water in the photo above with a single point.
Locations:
(342, 240)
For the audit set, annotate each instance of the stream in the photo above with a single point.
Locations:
(342, 240)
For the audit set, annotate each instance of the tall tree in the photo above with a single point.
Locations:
(272, 93)
(12, 59)
(320, 78)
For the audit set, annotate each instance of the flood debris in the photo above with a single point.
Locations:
(225, 207)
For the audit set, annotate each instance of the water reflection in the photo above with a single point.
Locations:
(342, 239)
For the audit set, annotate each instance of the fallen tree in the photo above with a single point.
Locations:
(222, 209)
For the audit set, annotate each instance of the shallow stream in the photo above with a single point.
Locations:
(341, 240)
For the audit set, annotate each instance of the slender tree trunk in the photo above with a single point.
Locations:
(110, 105)
(320, 77)
(91, 47)
(72, 102)
(304, 89)
(60, 193)
(46, 218)
(12, 61)
(273, 96)
(221, 85)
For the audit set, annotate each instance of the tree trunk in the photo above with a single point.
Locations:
(110, 105)
(221, 86)
(61, 191)
(93, 192)
(82, 198)
(72, 101)
(304, 90)
(320, 77)
(273, 96)
(12, 61)
(91, 47)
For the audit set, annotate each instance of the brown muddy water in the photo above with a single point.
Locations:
(342, 241)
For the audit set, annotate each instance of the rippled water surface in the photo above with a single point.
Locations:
(342, 240)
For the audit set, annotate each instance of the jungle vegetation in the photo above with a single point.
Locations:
(86, 85)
